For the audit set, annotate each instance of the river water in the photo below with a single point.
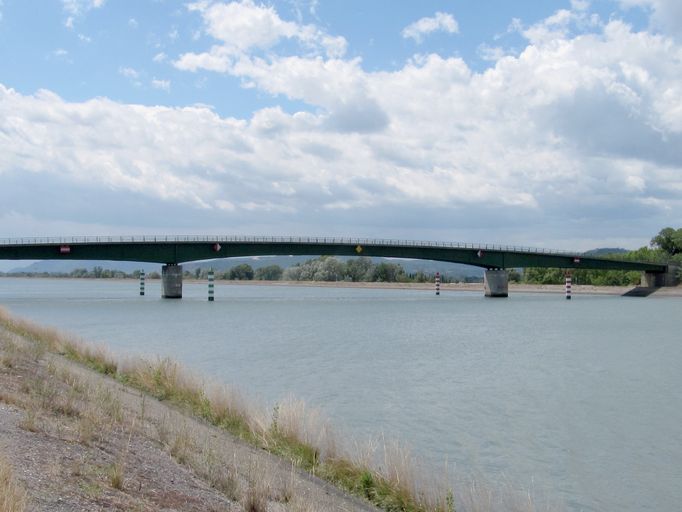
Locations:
(577, 400)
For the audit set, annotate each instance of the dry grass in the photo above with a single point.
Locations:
(11, 398)
(31, 419)
(258, 487)
(216, 467)
(255, 500)
(182, 444)
(88, 425)
(117, 470)
(10, 357)
(13, 497)
(49, 339)
(296, 421)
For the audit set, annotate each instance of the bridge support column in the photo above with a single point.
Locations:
(648, 280)
(171, 281)
(668, 278)
(496, 283)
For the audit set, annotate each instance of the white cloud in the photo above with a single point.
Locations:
(491, 53)
(132, 23)
(78, 8)
(580, 5)
(84, 38)
(440, 22)
(164, 85)
(245, 27)
(578, 128)
(160, 57)
(129, 72)
(665, 15)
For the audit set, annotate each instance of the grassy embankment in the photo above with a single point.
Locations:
(290, 431)
(12, 495)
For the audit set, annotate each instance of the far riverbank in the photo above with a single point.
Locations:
(576, 289)
(456, 287)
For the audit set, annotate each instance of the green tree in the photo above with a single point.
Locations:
(324, 268)
(668, 239)
(79, 272)
(543, 275)
(243, 272)
(515, 276)
(269, 273)
(358, 269)
(388, 273)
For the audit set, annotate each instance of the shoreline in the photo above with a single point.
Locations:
(85, 429)
(577, 289)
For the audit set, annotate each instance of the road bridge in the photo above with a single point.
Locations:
(172, 251)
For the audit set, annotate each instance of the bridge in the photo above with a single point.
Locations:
(172, 251)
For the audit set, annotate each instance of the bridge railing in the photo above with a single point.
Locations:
(278, 240)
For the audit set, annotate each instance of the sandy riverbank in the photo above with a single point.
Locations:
(457, 287)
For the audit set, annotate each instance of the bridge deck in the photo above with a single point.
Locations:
(180, 249)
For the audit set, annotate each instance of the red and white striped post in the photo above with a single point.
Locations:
(142, 282)
(437, 283)
(568, 285)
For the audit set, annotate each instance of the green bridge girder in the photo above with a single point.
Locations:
(177, 250)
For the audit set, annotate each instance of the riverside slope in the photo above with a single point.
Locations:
(77, 440)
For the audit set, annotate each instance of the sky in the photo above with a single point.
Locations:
(546, 124)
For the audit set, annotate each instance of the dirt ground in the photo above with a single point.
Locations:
(76, 440)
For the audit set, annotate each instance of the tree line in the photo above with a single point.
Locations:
(329, 269)
(665, 247)
(96, 273)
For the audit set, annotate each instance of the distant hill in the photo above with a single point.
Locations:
(66, 266)
(605, 250)
(411, 266)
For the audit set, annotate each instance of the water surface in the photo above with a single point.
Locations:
(578, 399)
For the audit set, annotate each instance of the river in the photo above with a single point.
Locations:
(577, 400)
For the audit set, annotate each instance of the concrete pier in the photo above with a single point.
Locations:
(655, 280)
(171, 281)
(496, 283)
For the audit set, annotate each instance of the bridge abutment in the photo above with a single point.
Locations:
(655, 280)
(171, 281)
(496, 283)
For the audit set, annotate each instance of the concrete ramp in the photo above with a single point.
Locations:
(641, 291)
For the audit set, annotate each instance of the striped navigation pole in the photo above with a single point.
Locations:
(568, 285)
(437, 283)
(142, 283)
(210, 285)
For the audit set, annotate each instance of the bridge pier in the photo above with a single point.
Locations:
(655, 280)
(171, 281)
(496, 283)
